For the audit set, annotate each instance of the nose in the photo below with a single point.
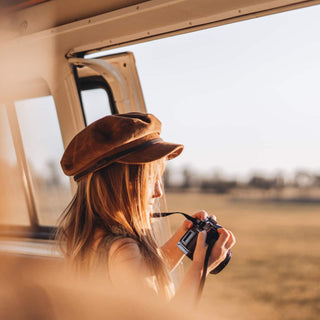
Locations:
(157, 191)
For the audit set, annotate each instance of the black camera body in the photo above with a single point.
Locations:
(187, 243)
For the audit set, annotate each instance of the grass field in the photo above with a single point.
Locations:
(275, 269)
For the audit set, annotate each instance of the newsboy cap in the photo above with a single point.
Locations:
(132, 138)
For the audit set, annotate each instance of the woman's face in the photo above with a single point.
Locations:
(154, 183)
(155, 192)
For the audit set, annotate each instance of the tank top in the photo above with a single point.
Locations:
(101, 254)
(101, 257)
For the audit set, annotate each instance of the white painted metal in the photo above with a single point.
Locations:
(29, 247)
(22, 162)
(120, 73)
(113, 76)
(145, 21)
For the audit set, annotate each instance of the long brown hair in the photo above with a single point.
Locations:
(114, 197)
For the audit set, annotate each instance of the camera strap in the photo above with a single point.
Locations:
(165, 214)
(204, 270)
(208, 252)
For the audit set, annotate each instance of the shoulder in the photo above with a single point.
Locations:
(127, 266)
(124, 249)
(126, 261)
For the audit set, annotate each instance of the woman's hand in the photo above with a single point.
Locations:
(199, 215)
(188, 292)
(220, 249)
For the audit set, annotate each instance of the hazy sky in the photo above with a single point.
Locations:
(241, 97)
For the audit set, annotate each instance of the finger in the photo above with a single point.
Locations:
(214, 218)
(200, 214)
(187, 224)
(231, 241)
(223, 237)
(201, 241)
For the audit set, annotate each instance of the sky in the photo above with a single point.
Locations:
(243, 98)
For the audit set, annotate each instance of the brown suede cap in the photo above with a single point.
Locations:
(131, 138)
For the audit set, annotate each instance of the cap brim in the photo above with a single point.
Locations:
(153, 152)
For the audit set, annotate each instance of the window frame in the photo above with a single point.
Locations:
(35, 230)
(94, 82)
(97, 82)
(30, 232)
(35, 89)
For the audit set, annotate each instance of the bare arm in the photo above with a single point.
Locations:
(128, 269)
(172, 254)
(188, 290)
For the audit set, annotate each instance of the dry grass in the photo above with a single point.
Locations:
(274, 272)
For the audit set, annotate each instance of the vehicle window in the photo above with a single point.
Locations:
(43, 147)
(13, 206)
(96, 104)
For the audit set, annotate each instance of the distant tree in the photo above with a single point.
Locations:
(218, 184)
(37, 178)
(303, 179)
(166, 178)
(279, 182)
(260, 182)
(220, 187)
(316, 182)
(187, 178)
(54, 177)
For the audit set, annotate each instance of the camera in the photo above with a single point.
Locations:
(187, 243)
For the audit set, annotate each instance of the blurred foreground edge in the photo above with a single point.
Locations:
(49, 290)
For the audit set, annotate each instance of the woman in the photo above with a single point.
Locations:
(118, 162)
